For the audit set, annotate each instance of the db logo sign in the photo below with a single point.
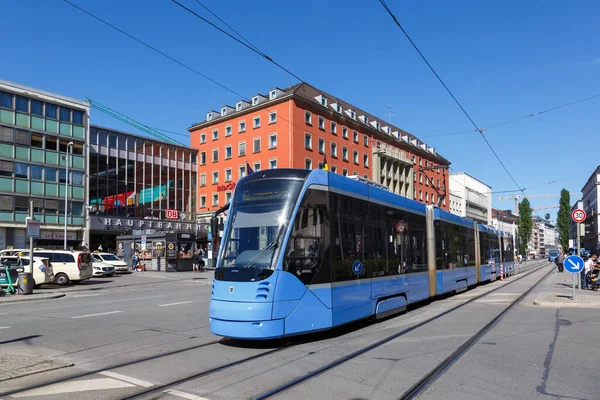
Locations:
(172, 214)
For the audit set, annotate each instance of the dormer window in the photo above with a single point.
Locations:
(238, 106)
(338, 108)
(272, 94)
(324, 101)
(223, 111)
(352, 114)
(209, 116)
(254, 100)
(377, 125)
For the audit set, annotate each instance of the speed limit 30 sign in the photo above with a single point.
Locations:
(578, 215)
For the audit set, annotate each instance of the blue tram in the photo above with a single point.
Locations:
(303, 251)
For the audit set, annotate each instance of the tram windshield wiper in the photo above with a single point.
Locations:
(271, 245)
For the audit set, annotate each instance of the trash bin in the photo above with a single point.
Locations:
(25, 282)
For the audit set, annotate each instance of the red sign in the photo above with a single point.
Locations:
(227, 186)
(578, 215)
(172, 214)
(401, 227)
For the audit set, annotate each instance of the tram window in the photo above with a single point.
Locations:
(307, 253)
(455, 245)
(489, 250)
(508, 253)
(348, 217)
(376, 256)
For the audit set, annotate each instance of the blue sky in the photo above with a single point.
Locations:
(502, 60)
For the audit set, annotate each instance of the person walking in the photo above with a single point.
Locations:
(560, 260)
(135, 259)
(200, 259)
(195, 261)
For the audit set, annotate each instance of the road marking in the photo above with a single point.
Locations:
(89, 295)
(184, 395)
(95, 315)
(5, 327)
(129, 299)
(128, 379)
(75, 386)
(174, 304)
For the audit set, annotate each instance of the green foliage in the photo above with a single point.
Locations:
(525, 225)
(563, 221)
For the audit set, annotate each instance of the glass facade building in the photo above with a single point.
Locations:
(36, 128)
(134, 179)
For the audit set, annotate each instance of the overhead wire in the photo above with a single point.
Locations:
(153, 48)
(248, 45)
(535, 114)
(385, 6)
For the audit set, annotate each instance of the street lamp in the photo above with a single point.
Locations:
(69, 146)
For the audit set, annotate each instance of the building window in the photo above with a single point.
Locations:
(333, 169)
(203, 158)
(254, 100)
(256, 145)
(420, 178)
(321, 123)
(227, 197)
(323, 101)
(308, 141)
(308, 117)
(21, 170)
(37, 108)
(355, 136)
(272, 117)
(366, 160)
(228, 176)
(366, 176)
(272, 164)
(215, 199)
(203, 201)
(238, 106)
(333, 150)
(202, 179)
(321, 146)
(242, 171)
(51, 112)
(426, 197)
(6, 168)
(241, 149)
(22, 103)
(344, 172)
(421, 195)
(437, 183)
(272, 94)
(352, 114)
(228, 152)
(228, 130)
(203, 138)
(256, 122)
(345, 132)
(426, 181)
(355, 158)
(308, 164)
(256, 166)
(344, 153)
(420, 162)
(215, 177)
(242, 127)
(333, 127)
(6, 101)
(215, 157)
(215, 134)
(273, 141)
(366, 140)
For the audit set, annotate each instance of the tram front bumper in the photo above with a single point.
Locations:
(244, 320)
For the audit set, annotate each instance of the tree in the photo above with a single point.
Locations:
(525, 225)
(563, 221)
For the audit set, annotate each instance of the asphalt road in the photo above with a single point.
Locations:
(162, 319)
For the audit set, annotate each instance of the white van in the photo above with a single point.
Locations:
(74, 266)
(108, 258)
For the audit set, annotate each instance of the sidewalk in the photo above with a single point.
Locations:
(558, 292)
(30, 297)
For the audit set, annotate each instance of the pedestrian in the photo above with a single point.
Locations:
(588, 268)
(135, 259)
(195, 261)
(560, 262)
(200, 259)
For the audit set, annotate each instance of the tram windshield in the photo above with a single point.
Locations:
(260, 214)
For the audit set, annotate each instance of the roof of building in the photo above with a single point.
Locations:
(309, 94)
(33, 92)
(151, 139)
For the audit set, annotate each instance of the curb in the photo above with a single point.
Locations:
(26, 298)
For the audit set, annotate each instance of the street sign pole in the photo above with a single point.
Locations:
(30, 266)
(579, 255)
(574, 265)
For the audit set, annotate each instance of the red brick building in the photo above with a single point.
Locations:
(300, 127)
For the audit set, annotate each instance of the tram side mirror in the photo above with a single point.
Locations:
(214, 226)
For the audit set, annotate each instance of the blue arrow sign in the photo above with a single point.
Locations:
(574, 264)
(357, 267)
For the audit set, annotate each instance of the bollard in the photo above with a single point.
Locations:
(25, 282)
(501, 272)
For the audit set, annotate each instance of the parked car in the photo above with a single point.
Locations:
(100, 268)
(108, 258)
(42, 268)
(68, 266)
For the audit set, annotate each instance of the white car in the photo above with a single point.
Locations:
(108, 258)
(68, 266)
(100, 268)
(42, 269)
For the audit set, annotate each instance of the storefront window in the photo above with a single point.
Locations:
(184, 249)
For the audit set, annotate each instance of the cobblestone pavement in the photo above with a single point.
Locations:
(14, 366)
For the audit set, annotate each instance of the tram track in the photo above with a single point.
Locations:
(436, 372)
(286, 345)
